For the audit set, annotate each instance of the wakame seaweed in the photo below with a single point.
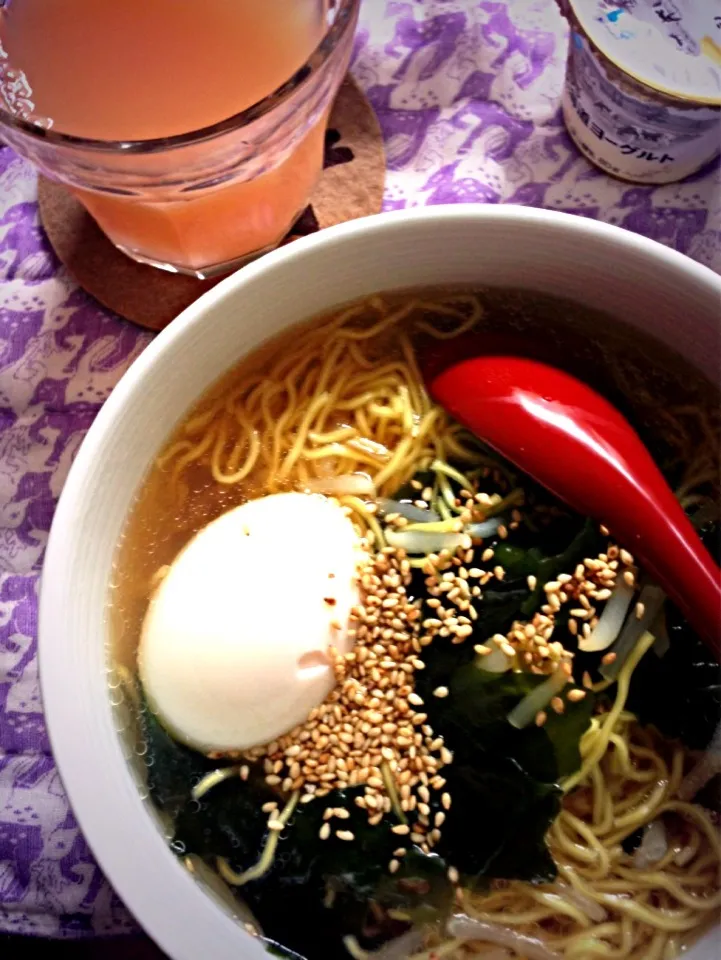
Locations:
(314, 893)
(324, 887)
(680, 692)
(504, 781)
(495, 828)
(172, 769)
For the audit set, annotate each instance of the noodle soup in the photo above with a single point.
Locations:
(487, 776)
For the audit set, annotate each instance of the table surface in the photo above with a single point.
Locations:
(467, 94)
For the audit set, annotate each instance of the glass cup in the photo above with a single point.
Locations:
(205, 202)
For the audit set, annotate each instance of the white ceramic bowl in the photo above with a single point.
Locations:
(637, 280)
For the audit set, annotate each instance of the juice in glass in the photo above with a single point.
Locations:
(131, 88)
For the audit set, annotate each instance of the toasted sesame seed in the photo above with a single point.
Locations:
(446, 801)
(439, 819)
(440, 692)
(487, 555)
(324, 831)
(541, 718)
(393, 866)
(629, 578)
(575, 695)
(626, 558)
(276, 825)
(557, 705)
(244, 772)
(341, 745)
(640, 610)
(345, 835)
(401, 829)
(453, 875)
(608, 658)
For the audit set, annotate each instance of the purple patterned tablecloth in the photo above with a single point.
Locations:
(467, 92)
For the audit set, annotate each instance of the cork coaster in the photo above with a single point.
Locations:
(351, 186)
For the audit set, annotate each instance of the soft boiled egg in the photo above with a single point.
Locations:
(234, 645)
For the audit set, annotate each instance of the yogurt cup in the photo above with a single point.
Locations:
(643, 90)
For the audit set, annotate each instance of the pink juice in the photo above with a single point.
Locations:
(143, 69)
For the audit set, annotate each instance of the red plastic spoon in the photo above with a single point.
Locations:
(575, 443)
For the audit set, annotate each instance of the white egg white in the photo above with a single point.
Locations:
(234, 645)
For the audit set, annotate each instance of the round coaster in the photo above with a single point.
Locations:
(351, 186)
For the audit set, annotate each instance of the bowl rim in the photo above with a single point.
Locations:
(175, 925)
